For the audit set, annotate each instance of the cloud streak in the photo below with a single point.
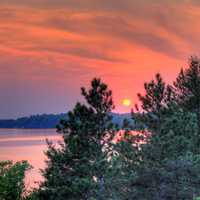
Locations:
(60, 45)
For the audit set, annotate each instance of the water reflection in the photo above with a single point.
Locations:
(27, 144)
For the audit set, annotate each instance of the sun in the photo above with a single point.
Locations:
(126, 102)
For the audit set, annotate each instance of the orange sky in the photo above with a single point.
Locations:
(49, 48)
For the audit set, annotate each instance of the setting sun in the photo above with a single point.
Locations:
(126, 102)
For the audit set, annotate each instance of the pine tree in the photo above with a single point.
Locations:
(76, 170)
(171, 134)
(187, 88)
(12, 186)
(154, 103)
(175, 179)
(159, 168)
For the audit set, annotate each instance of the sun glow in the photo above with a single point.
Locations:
(126, 102)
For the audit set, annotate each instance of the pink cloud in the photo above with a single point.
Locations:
(53, 49)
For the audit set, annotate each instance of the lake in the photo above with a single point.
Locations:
(27, 144)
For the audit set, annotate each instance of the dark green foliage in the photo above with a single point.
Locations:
(174, 180)
(160, 167)
(32, 195)
(157, 95)
(178, 135)
(148, 170)
(76, 170)
(187, 88)
(125, 160)
(154, 103)
(12, 185)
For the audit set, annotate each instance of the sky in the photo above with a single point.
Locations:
(50, 48)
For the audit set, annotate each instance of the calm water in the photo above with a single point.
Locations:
(27, 144)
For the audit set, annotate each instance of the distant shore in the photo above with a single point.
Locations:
(48, 121)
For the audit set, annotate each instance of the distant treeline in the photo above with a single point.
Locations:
(48, 121)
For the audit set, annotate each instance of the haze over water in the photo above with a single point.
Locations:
(27, 144)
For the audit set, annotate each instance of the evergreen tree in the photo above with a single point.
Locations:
(187, 88)
(154, 103)
(12, 186)
(178, 135)
(171, 133)
(174, 180)
(76, 170)
(159, 168)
